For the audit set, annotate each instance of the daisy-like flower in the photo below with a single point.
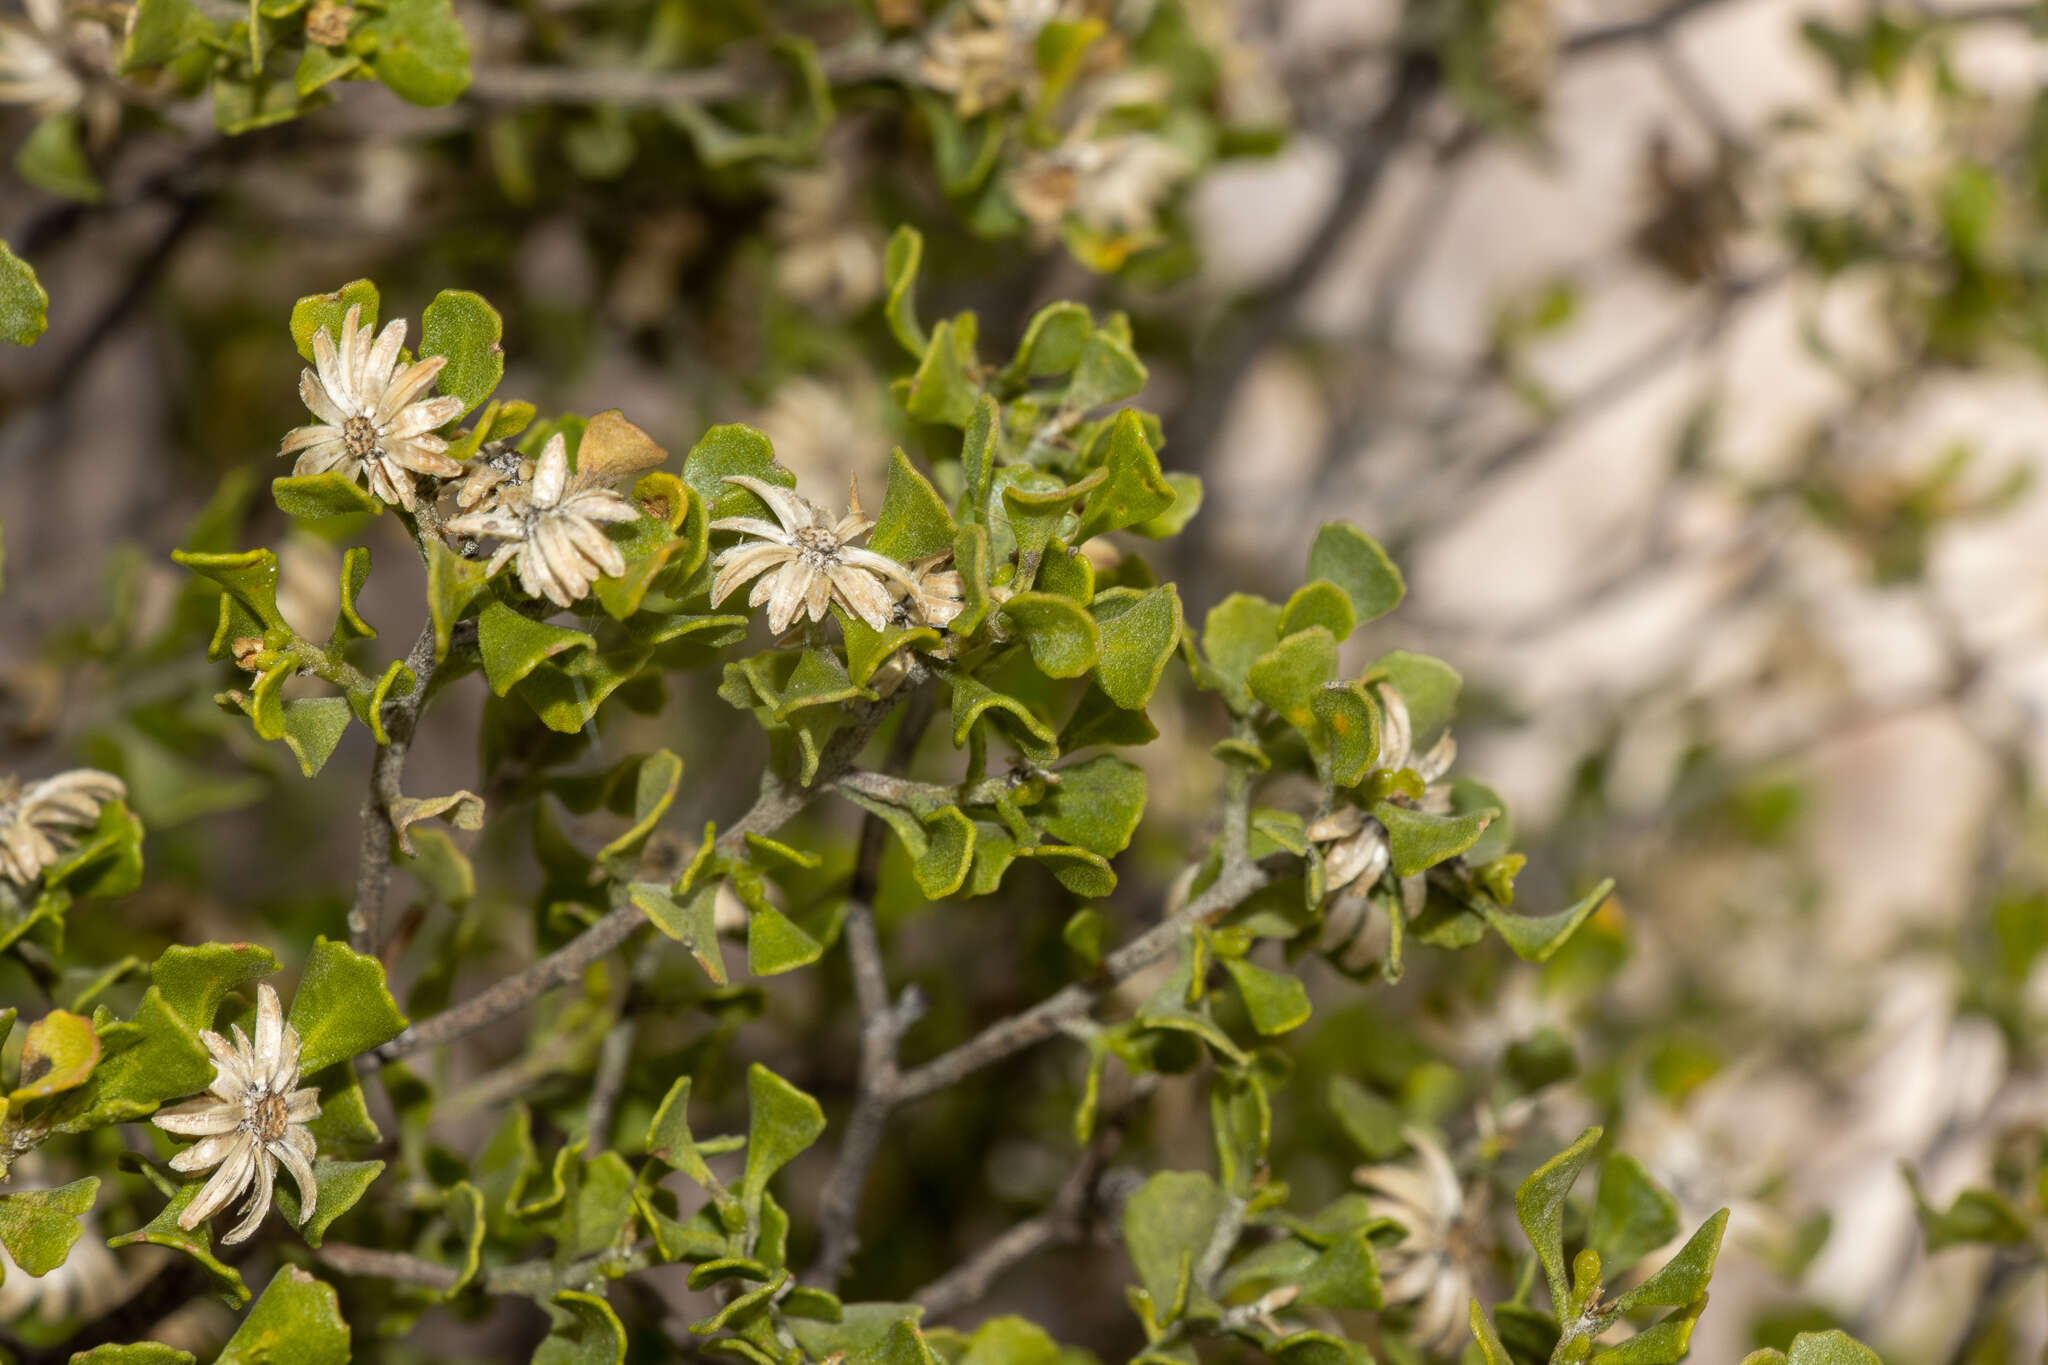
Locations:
(1876, 159)
(990, 59)
(369, 422)
(251, 1120)
(40, 823)
(808, 562)
(936, 594)
(1432, 1266)
(554, 530)
(33, 71)
(1112, 184)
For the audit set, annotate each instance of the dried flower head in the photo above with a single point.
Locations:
(39, 823)
(493, 476)
(1112, 184)
(33, 70)
(369, 422)
(1876, 159)
(1434, 1265)
(991, 58)
(554, 530)
(252, 1119)
(936, 595)
(807, 562)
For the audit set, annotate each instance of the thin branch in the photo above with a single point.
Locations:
(634, 87)
(525, 1279)
(387, 768)
(1650, 26)
(882, 1027)
(774, 808)
(1020, 1031)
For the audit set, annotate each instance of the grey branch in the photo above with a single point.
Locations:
(632, 86)
(387, 768)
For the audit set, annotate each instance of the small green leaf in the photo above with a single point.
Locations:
(689, 919)
(312, 727)
(38, 1226)
(1490, 1350)
(52, 157)
(163, 1231)
(340, 1185)
(349, 624)
(1539, 1206)
(1537, 937)
(656, 779)
(1136, 489)
(468, 331)
(1287, 677)
(913, 523)
(586, 1332)
(1347, 732)
(314, 496)
(1421, 840)
(453, 583)
(781, 1122)
(420, 52)
(1139, 635)
(317, 311)
(1428, 686)
(24, 307)
(1168, 1223)
(1235, 634)
(57, 1054)
(775, 944)
(944, 390)
(513, 646)
(1354, 561)
(342, 1007)
(1632, 1215)
(1318, 603)
(1276, 1001)
(1682, 1279)
(729, 450)
(1830, 1348)
(137, 1353)
(296, 1321)
(1064, 639)
(1096, 804)
(899, 268)
(974, 699)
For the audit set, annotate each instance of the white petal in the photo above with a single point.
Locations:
(198, 1118)
(374, 375)
(405, 387)
(296, 1152)
(227, 1182)
(330, 373)
(315, 396)
(269, 1030)
(794, 512)
(207, 1152)
(551, 472)
(265, 1172)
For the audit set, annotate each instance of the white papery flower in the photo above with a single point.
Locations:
(991, 57)
(1114, 185)
(39, 824)
(1432, 1266)
(251, 1120)
(33, 71)
(937, 595)
(1876, 158)
(807, 562)
(554, 529)
(369, 421)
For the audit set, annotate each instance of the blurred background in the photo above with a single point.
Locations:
(1689, 357)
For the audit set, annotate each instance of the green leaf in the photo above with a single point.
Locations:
(1187, 501)
(1010, 1341)
(1136, 489)
(944, 390)
(1235, 634)
(586, 1332)
(1064, 639)
(1318, 603)
(52, 157)
(315, 312)
(1539, 1206)
(159, 32)
(727, 450)
(775, 944)
(312, 727)
(313, 496)
(1168, 1223)
(1632, 1215)
(974, 699)
(1345, 1275)
(1421, 840)
(977, 455)
(248, 578)
(24, 307)
(1276, 1001)
(137, 1353)
(38, 1226)
(1051, 343)
(513, 646)
(1287, 677)
(57, 1054)
(1490, 1349)
(1976, 1215)
(1428, 686)
(1683, 1278)
(1347, 732)
(193, 981)
(597, 1211)
(899, 268)
(340, 1185)
(1139, 635)
(461, 326)
(781, 1122)
(452, 584)
(420, 53)
(342, 1007)
(1354, 561)
(1830, 1348)
(1368, 1119)
(349, 624)
(656, 779)
(1096, 804)
(1537, 937)
(1107, 370)
(690, 920)
(940, 843)
(913, 523)
(296, 1321)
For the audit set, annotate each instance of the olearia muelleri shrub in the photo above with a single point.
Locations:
(953, 683)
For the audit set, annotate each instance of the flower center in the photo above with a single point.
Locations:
(818, 546)
(267, 1117)
(359, 437)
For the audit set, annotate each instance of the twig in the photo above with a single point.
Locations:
(387, 767)
(882, 1028)
(1020, 1031)
(773, 809)
(1650, 26)
(628, 86)
(525, 1279)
